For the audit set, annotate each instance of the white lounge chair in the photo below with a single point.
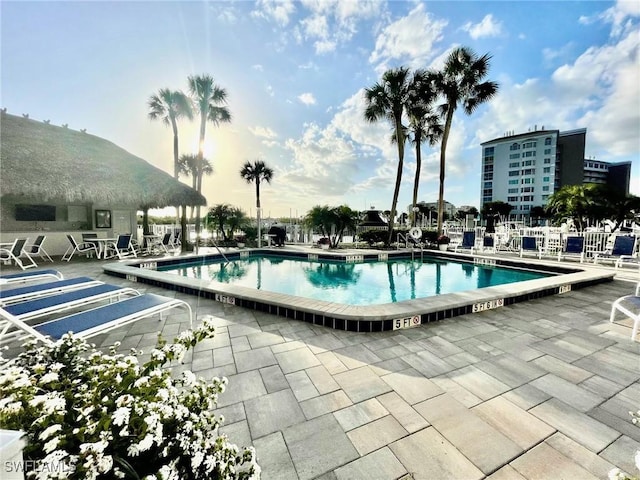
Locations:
(30, 292)
(38, 249)
(17, 253)
(60, 302)
(29, 276)
(98, 320)
(87, 248)
(630, 306)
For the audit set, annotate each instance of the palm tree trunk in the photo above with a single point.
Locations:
(443, 148)
(416, 181)
(258, 211)
(203, 126)
(176, 151)
(396, 191)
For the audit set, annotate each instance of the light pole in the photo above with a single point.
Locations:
(415, 215)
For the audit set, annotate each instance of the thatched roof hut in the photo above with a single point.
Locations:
(47, 163)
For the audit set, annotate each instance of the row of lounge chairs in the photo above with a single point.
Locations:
(623, 249)
(86, 297)
(123, 246)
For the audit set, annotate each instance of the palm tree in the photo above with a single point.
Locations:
(209, 100)
(423, 123)
(169, 106)
(190, 166)
(387, 99)
(459, 82)
(219, 215)
(572, 201)
(256, 172)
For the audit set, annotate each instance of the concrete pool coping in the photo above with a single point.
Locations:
(366, 318)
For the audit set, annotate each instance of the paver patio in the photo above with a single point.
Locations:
(540, 389)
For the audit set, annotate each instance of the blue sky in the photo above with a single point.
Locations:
(295, 74)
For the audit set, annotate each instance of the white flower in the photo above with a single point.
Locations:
(48, 378)
(141, 382)
(47, 432)
(51, 445)
(121, 416)
(189, 378)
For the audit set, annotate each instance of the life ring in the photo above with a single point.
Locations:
(416, 233)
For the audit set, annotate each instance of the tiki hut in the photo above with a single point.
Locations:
(79, 174)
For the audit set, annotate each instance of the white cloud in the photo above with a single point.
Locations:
(307, 98)
(328, 23)
(620, 16)
(258, 67)
(263, 132)
(276, 10)
(411, 38)
(269, 90)
(488, 27)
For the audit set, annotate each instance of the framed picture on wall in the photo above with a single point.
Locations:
(103, 218)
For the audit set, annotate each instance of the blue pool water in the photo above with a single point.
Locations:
(367, 283)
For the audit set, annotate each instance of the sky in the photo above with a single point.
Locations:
(295, 74)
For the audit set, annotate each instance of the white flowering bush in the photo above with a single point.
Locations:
(91, 415)
(616, 473)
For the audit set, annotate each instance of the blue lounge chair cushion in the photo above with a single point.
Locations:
(623, 245)
(529, 243)
(468, 239)
(63, 299)
(44, 287)
(134, 307)
(575, 245)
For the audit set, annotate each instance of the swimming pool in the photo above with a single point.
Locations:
(365, 283)
(562, 278)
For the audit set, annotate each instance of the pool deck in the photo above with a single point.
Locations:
(534, 390)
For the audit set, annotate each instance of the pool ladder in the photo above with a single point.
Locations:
(404, 237)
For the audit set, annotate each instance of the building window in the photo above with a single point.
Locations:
(529, 171)
(529, 145)
(488, 168)
(512, 199)
(514, 173)
(547, 160)
(529, 154)
(546, 170)
(513, 190)
(514, 182)
(528, 163)
(545, 188)
(489, 151)
(488, 176)
(545, 179)
(488, 160)
(514, 146)
(488, 184)
(526, 189)
(514, 164)
(526, 207)
(545, 197)
(487, 192)
(547, 141)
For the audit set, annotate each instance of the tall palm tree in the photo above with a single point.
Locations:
(423, 123)
(191, 166)
(387, 99)
(257, 172)
(169, 106)
(209, 101)
(460, 82)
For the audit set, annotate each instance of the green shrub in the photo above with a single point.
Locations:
(91, 415)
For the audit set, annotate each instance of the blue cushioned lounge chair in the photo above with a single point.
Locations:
(529, 245)
(573, 248)
(29, 276)
(98, 320)
(468, 242)
(64, 301)
(624, 248)
(30, 292)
